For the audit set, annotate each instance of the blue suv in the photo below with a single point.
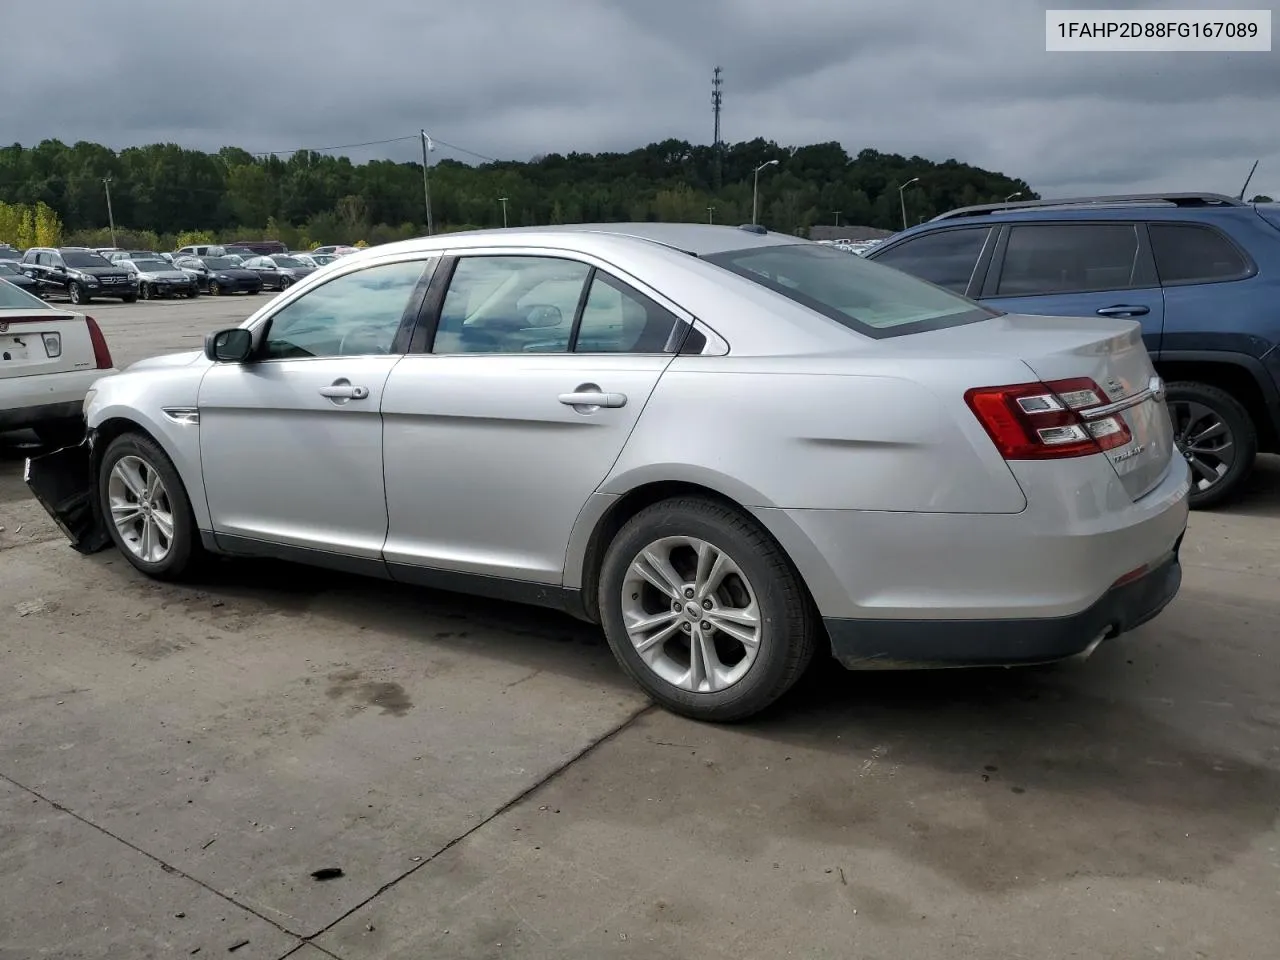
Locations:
(1200, 272)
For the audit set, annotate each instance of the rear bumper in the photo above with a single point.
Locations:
(41, 397)
(888, 644)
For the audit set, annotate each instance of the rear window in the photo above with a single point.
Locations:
(874, 300)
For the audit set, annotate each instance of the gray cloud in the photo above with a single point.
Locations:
(510, 79)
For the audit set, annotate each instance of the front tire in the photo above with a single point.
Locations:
(146, 509)
(1218, 438)
(77, 293)
(704, 611)
(144, 292)
(130, 298)
(215, 288)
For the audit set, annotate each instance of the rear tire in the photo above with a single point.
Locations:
(720, 568)
(159, 536)
(1215, 433)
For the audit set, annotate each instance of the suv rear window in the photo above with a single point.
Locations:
(874, 300)
(1191, 253)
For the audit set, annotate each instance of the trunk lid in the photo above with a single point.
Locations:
(1109, 352)
(33, 342)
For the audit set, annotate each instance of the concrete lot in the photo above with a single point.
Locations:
(175, 762)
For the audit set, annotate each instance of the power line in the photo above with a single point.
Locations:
(341, 146)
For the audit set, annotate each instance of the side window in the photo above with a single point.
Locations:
(1190, 253)
(515, 304)
(946, 258)
(1071, 258)
(357, 314)
(619, 319)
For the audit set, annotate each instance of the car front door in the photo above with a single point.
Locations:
(291, 441)
(496, 438)
(1078, 269)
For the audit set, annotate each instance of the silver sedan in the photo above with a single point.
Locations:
(729, 448)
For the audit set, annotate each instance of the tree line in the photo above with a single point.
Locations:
(163, 192)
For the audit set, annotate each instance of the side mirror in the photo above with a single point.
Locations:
(229, 346)
(543, 315)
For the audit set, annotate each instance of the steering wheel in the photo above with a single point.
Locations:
(364, 340)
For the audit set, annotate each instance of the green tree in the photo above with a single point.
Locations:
(48, 226)
(27, 228)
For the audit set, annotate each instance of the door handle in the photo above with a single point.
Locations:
(342, 390)
(1124, 310)
(593, 398)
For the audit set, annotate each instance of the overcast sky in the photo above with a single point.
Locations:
(968, 79)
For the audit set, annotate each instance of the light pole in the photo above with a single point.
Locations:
(837, 213)
(711, 214)
(1012, 195)
(503, 201)
(755, 189)
(902, 200)
(111, 217)
(427, 146)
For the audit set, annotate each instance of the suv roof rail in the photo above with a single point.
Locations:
(1123, 199)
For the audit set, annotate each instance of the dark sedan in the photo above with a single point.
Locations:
(218, 275)
(9, 271)
(279, 272)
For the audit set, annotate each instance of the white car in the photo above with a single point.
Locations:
(48, 360)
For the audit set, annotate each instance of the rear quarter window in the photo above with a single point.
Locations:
(1195, 253)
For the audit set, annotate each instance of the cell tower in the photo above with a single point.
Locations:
(717, 98)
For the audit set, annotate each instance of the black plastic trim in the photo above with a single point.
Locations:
(1256, 368)
(892, 644)
(477, 585)
(237, 546)
(428, 319)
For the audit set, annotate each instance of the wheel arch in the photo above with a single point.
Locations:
(1242, 376)
(184, 456)
(615, 510)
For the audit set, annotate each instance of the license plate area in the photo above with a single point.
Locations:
(17, 349)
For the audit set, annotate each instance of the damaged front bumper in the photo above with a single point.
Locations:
(63, 483)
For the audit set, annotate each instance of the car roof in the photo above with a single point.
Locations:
(699, 239)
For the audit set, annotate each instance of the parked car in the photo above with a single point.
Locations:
(219, 275)
(1201, 272)
(10, 273)
(133, 255)
(321, 259)
(159, 278)
(729, 448)
(78, 273)
(305, 259)
(278, 272)
(200, 250)
(258, 247)
(335, 250)
(49, 358)
(9, 253)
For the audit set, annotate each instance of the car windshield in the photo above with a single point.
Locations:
(219, 263)
(867, 297)
(14, 298)
(83, 258)
(150, 266)
(288, 262)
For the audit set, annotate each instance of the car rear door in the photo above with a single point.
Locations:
(498, 432)
(1077, 268)
(954, 258)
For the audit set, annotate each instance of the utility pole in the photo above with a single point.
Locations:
(111, 217)
(503, 201)
(717, 97)
(427, 147)
(711, 214)
(837, 213)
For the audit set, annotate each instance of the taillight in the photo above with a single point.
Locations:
(101, 355)
(1043, 421)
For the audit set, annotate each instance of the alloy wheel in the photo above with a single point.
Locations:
(1204, 440)
(691, 614)
(140, 509)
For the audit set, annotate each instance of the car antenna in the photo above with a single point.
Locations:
(1240, 195)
